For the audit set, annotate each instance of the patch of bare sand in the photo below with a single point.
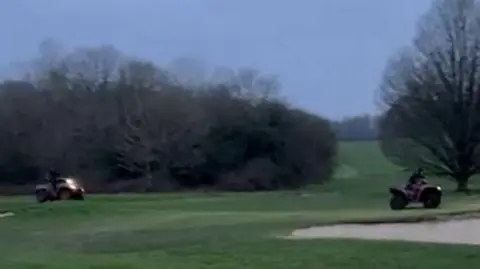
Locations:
(460, 231)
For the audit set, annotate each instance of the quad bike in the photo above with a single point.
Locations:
(429, 195)
(67, 189)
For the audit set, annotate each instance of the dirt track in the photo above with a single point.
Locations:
(463, 231)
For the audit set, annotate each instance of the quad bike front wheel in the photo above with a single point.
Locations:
(398, 202)
(432, 201)
(64, 194)
(78, 197)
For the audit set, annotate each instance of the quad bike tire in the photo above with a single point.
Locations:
(41, 196)
(64, 194)
(432, 201)
(398, 202)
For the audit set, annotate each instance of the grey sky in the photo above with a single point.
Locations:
(324, 51)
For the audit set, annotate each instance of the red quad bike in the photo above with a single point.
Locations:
(429, 195)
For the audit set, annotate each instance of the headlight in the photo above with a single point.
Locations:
(71, 183)
(439, 188)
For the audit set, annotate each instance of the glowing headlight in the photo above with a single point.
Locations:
(71, 183)
(439, 188)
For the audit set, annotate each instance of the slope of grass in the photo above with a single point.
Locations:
(223, 230)
(366, 158)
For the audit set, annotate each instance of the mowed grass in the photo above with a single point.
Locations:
(366, 157)
(225, 230)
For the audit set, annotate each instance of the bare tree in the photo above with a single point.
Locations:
(189, 72)
(431, 93)
(93, 67)
(154, 115)
(247, 83)
(136, 152)
(222, 75)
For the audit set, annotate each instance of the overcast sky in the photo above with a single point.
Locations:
(328, 54)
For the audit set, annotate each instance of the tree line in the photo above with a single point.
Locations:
(356, 128)
(125, 124)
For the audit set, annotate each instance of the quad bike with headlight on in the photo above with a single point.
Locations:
(66, 189)
(428, 195)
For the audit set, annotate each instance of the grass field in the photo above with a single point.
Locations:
(181, 231)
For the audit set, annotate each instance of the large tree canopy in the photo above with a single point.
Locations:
(431, 94)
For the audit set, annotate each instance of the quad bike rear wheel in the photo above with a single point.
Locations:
(41, 196)
(398, 202)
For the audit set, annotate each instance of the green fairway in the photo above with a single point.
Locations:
(365, 158)
(225, 230)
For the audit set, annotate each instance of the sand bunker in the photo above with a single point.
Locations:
(6, 214)
(466, 231)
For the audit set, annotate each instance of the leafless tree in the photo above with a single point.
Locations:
(248, 83)
(190, 72)
(431, 94)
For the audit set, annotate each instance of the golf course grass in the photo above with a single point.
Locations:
(228, 230)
